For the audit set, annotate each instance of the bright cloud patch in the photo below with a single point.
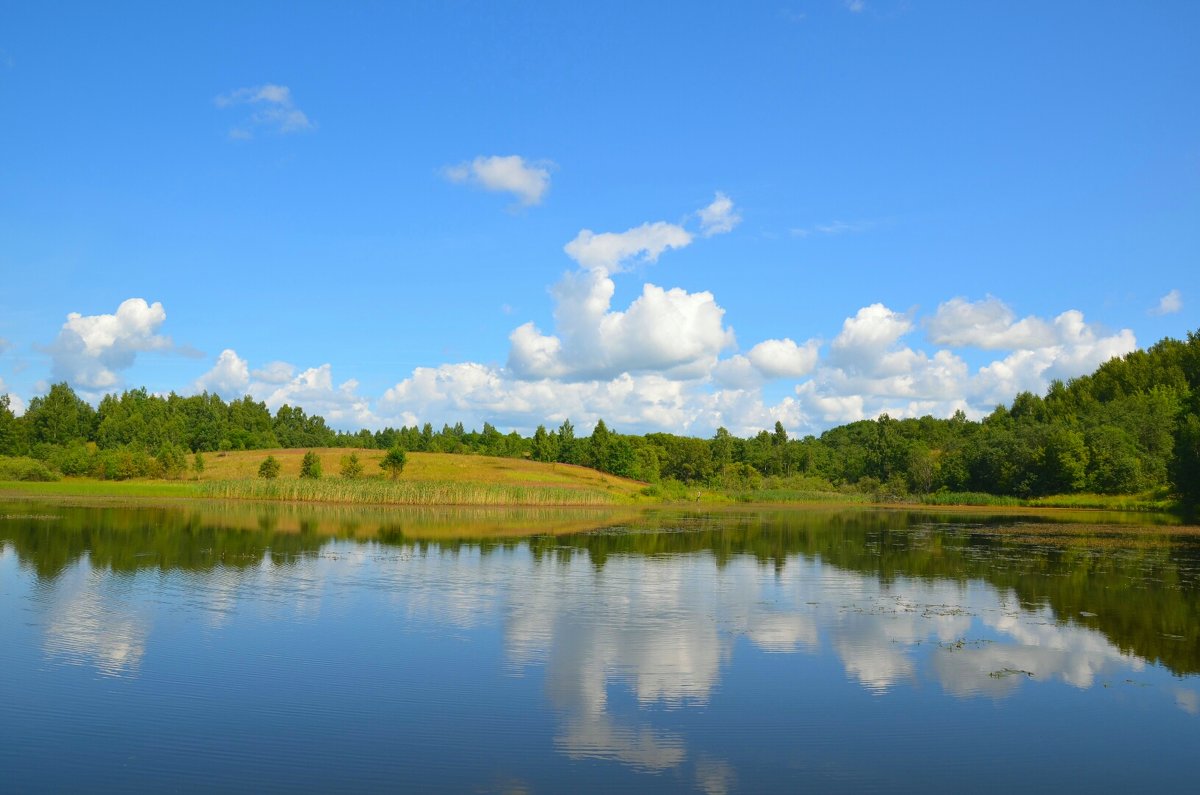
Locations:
(91, 350)
(718, 217)
(784, 358)
(1169, 304)
(272, 109)
(505, 174)
(1075, 348)
(672, 332)
(987, 324)
(608, 251)
(15, 404)
(276, 384)
(230, 376)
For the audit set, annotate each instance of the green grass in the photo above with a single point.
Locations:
(970, 498)
(801, 495)
(1147, 502)
(87, 487)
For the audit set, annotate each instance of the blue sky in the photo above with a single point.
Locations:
(673, 216)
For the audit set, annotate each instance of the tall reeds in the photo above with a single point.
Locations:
(415, 492)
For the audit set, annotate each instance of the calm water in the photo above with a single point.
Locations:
(251, 649)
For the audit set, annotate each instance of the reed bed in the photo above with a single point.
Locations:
(402, 492)
(1149, 502)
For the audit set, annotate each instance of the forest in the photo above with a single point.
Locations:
(1132, 426)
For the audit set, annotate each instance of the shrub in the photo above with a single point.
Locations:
(393, 463)
(351, 467)
(269, 469)
(26, 469)
(310, 467)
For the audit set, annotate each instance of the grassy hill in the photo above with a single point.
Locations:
(429, 479)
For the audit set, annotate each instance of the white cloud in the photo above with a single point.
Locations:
(229, 377)
(718, 217)
(784, 358)
(91, 349)
(276, 384)
(274, 110)
(854, 6)
(528, 181)
(865, 343)
(274, 373)
(1074, 348)
(608, 251)
(4, 345)
(987, 324)
(15, 404)
(314, 390)
(475, 393)
(674, 332)
(737, 372)
(1169, 304)
(870, 370)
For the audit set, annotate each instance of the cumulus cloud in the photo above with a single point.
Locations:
(91, 349)
(671, 331)
(1074, 348)
(1169, 304)
(15, 404)
(315, 391)
(607, 252)
(229, 377)
(870, 370)
(768, 360)
(276, 383)
(274, 373)
(718, 217)
(476, 393)
(667, 331)
(989, 324)
(272, 109)
(526, 180)
(784, 358)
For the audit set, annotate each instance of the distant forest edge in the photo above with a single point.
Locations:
(1131, 427)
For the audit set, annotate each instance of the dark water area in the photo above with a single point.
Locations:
(251, 649)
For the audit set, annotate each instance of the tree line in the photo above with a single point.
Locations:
(1131, 426)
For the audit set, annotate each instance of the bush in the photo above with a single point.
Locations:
(310, 467)
(393, 463)
(269, 469)
(172, 460)
(26, 469)
(351, 467)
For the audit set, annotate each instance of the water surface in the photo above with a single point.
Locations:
(273, 648)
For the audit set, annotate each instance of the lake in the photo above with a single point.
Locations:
(272, 648)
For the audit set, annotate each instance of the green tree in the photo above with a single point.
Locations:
(60, 417)
(393, 462)
(596, 451)
(351, 467)
(172, 460)
(566, 443)
(198, 465)
(543, 447)
(9, 437)
(310, 466)
(269, 468)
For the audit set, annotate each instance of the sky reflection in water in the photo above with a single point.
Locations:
(682, 670)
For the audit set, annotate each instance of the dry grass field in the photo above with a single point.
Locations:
(423, 467)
